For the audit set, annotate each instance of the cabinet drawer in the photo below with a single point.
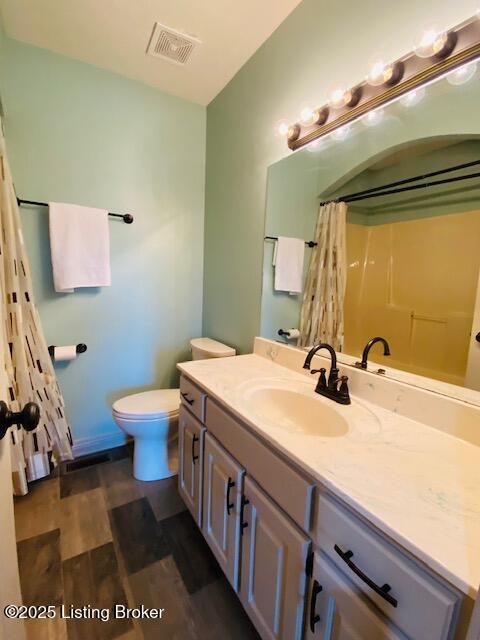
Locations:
(285, 485)
(419, 605)
(193, 398)
(338, 612)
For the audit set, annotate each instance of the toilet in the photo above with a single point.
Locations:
(151, 419)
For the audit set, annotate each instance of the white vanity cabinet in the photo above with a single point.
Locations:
(190, 474)
(262, 516)
(222, 498)
(273, 578)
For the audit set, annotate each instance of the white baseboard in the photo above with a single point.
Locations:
(84, 446)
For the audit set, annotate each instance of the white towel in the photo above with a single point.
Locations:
(289, 264)
(80, 246)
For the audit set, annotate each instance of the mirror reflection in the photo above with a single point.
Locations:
(394, 210)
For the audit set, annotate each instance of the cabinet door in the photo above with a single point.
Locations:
(190, 441)
(222, 494)
(337, 611)
(273, 579)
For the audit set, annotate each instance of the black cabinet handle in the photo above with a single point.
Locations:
(194, 457)
(230, 505)
(28, 417)
(477, 337)
(382, 591)
(314, 617)
(243, 525)
(186, 398)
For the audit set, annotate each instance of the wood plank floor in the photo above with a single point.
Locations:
(96, 537)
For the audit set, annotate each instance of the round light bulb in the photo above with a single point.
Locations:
(342, 132)
(380, 73)
(336, 97)
(430, 43)
(307, 116)
(413, 97)
(372, 118)
(281, 128)
(316, 145)
(462, 74)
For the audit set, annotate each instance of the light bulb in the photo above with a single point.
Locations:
(336, 97)
(433, 42)
(339, 97)
(462, 74)
(316, 145)
(342, 132)
(413, 97)
(307, 116)
(380, 73)
(372, 118)
(281, 128)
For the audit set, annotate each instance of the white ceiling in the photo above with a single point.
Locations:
(113, 34)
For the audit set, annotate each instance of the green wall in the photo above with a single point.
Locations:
(318, 45)
(76, 133)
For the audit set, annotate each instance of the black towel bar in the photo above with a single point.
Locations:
(309, 243)
(127, 217)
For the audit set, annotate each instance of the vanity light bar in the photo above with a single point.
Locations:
(436, 55)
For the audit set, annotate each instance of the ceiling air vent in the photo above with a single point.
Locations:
(171, 45)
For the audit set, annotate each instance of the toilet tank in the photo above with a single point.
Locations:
(203, 348)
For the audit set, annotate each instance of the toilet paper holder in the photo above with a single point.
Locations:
(80, 348)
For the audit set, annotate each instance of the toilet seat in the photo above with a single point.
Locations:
(149, 405)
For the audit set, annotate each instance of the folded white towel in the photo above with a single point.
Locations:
(80, 246)
(289, 264)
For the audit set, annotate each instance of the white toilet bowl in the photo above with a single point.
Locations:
(151, 418)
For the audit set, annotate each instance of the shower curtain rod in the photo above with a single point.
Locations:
(127, 217)
(387, 189)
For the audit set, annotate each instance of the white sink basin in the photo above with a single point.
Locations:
(296, 411)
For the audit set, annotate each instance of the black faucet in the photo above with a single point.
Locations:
(386, 351)
(329, 389)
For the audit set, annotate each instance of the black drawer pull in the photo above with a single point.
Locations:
(243, 525)
(230, 505)
(186, 398)
(314, 617)
(382, 591)
(194, 457)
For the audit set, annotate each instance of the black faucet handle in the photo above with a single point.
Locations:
(322, 381)
(343, 390)
(322, 370)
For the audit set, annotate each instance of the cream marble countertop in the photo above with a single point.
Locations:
(418, 485)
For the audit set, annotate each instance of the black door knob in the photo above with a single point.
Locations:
(28, 417)
(477, 337)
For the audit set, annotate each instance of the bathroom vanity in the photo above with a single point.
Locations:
(329, 521)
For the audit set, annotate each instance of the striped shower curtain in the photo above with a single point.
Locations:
(30, 373)
(321, 315)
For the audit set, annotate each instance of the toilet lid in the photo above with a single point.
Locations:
(149, 404)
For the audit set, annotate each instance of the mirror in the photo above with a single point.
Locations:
(413, 255)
